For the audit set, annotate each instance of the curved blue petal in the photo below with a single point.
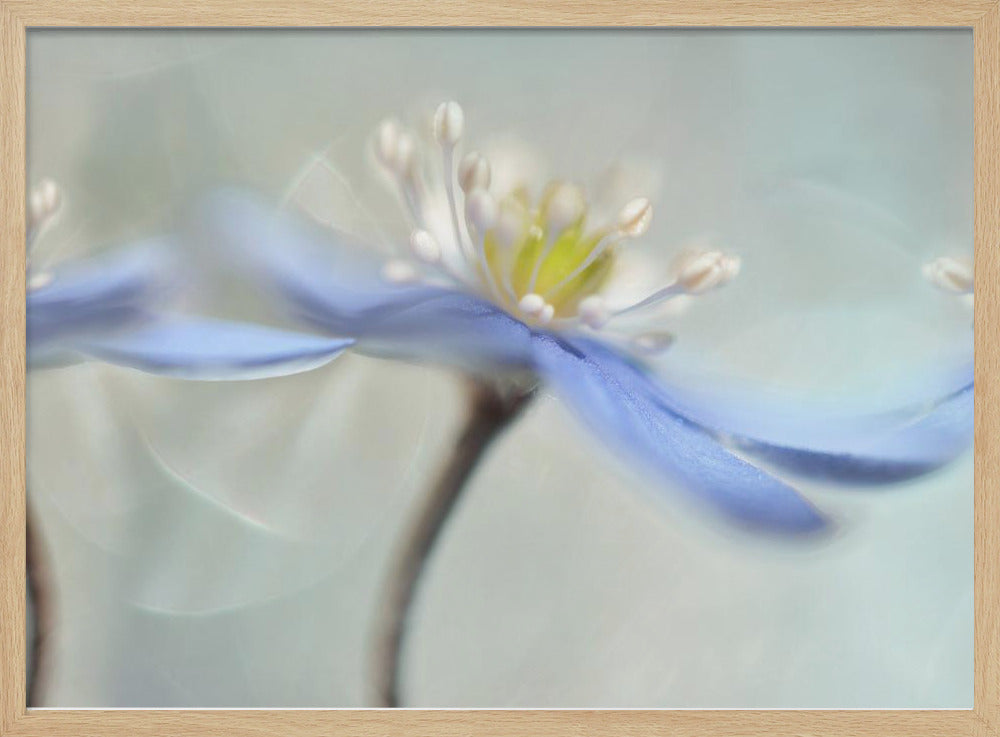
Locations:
(333, 284)
(621, 405)
(868, 448)
(910, 449)
(99, 294)
(211, 350)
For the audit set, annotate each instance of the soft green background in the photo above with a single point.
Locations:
(222, 544)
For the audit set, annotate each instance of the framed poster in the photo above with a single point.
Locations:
(590, 370)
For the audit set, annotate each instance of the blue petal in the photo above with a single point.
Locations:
(100, 294)
(912, 448)
(211, 350)
(335, 285)
(621, 405)
(850, 449)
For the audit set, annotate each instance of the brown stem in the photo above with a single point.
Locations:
(39, 591)
(491, 409)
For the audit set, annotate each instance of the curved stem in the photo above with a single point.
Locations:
(491, 409)
(39, 591)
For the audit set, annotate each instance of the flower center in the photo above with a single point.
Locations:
(538, 259)
(546, 249)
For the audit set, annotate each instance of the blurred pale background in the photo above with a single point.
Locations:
(223, 544)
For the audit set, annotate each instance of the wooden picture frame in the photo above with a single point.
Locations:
(17, 16)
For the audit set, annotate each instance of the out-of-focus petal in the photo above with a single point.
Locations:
(100, 294)
(848, 448)
(334, 285)
(912, 448)
(618, 401)
(212, 350)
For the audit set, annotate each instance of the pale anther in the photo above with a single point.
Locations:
(635, 217)
(509, 226)
(386, 143)
(404, 155)
(473, 172)
(448, 123)
(44, 200)
(707, 271)
(481, 209)
(532, 304)
(593, 311)
(950, 274)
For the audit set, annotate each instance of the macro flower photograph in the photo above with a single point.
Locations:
(500, 368)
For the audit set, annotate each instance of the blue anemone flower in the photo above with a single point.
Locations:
(111, 308)
(507, 283)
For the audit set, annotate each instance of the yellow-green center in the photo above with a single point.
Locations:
(542, 259)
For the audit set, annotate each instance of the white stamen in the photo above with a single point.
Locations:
(653, 342)
(425, 247)
(449, 120)
(509, 227)
(404, 156)
(507, 231)
(386, 143)
(43, 201)
(950, 274)
(671, 290)
(448, 172)
(396, 151)
(473, 172)
(546, 315)
(481, 212)
(633, 221)
(698, 274)
(399, 272)
(593, 311)
(532, 305)
(635, 217)
(706, 271)
(481, 209)
(448, 123)
(564, 208)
